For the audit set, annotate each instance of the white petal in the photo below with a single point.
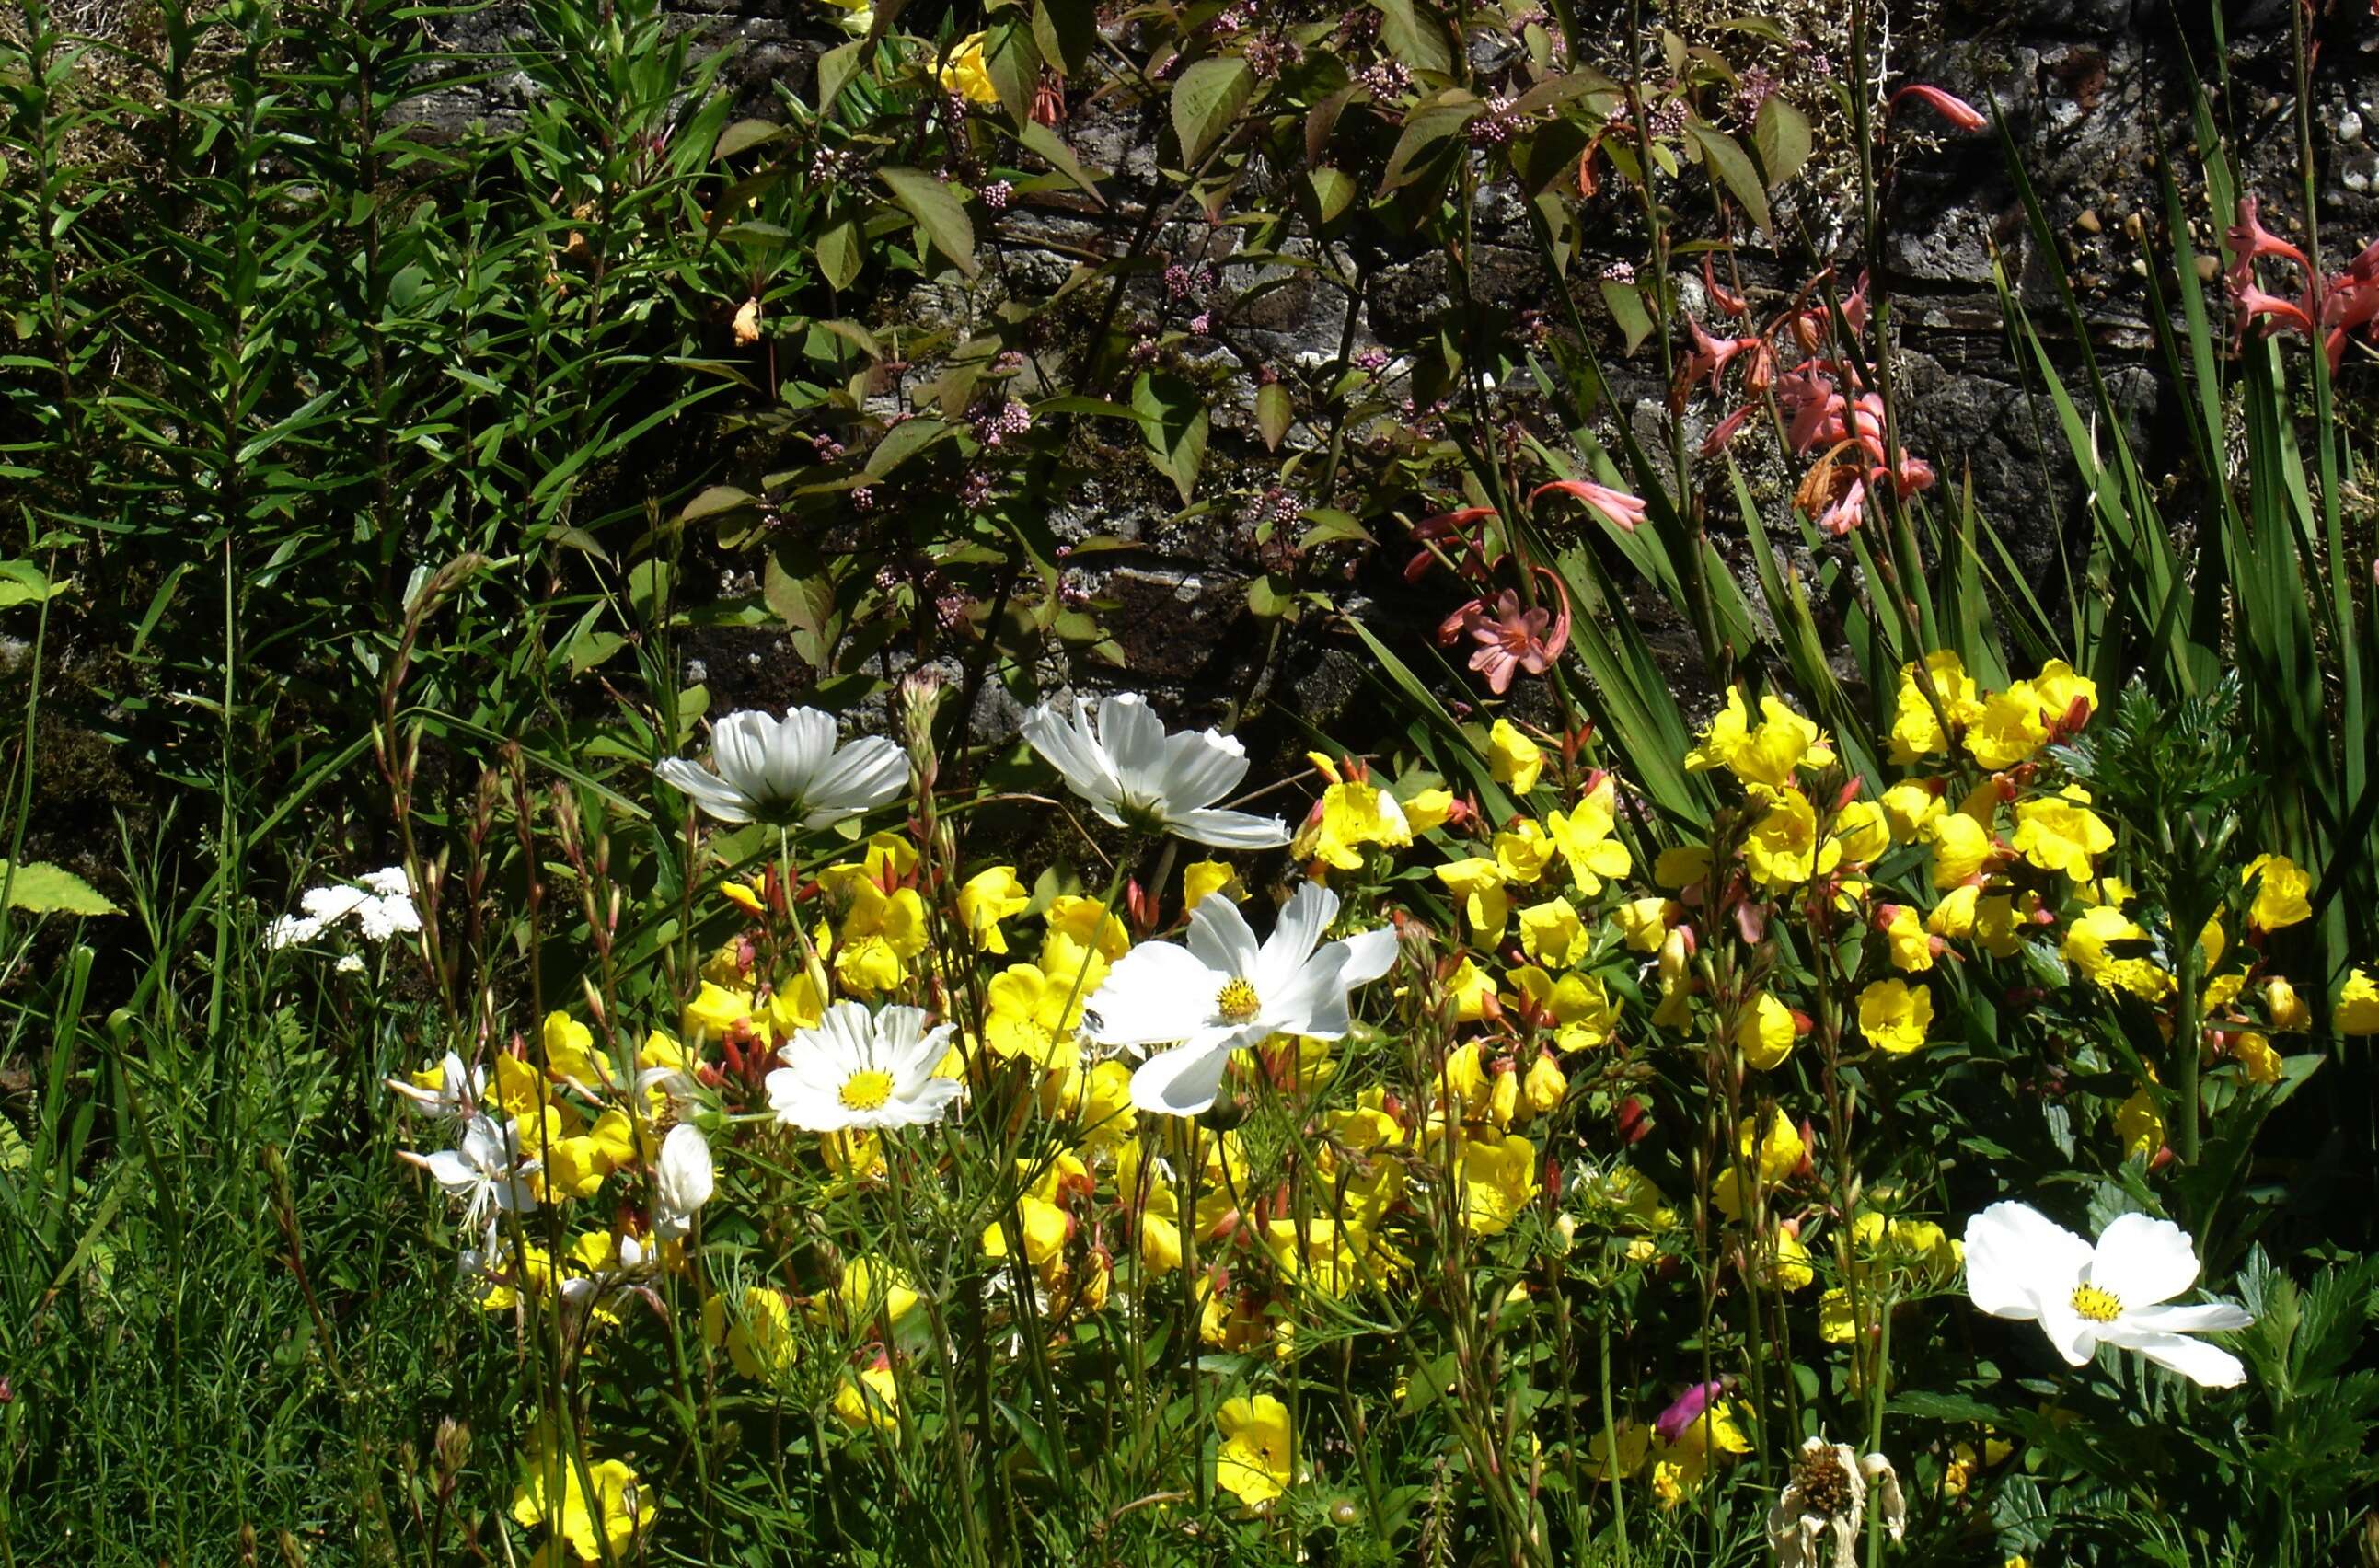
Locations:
(1229, 830)
(1066, 744)
(797, 1103)
(2209, 1365)
(1201, 768)
(2143, 1260)
(2207, 1319)
(1311, 1001)
(2075, 1336)
(798, 749)
(863, 775)
(2016, 1255)
(739, 750)
(1297, 934)
(1182, 1081)
(1368, 955)
(1157, 993)
(1219, 936)
(929, 1103)
(331, 905)
(716, 797)
(1133, 738)
(683, 1176)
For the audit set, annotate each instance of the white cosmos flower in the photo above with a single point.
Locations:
(485, 1170)
(858, 1069)
(2022, 1264)
(455, 1097)
(1135, 774)
(1222, 993)
(788, 770)
(682, 1180)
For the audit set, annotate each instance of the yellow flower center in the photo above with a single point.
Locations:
(1236, 1003)
(2098, 1306)
(866, 1091)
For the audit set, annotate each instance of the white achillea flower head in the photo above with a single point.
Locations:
(381, 907)
(1134, 774)
(788, 771)
(2022, 1265)
(858, 1069)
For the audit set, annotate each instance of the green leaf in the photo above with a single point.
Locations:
(40, 887)
(1206, 100)
(1067, 30)
(1431, 127)
(1012, 59)
(745, 135)
(939, 213)
(805, 604)
(840, 254)
(836, 67)
(1051, 148)
(717, 500)
(1174, 422)
(1273, 413)
(1334, 190)
(903, 442)
(1625, 303)
(1782, 136)
(21, 582)
(1413, 34)
(1730, 167)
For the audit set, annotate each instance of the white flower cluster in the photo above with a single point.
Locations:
(380, 905)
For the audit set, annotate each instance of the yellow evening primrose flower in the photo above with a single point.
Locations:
(1679, 1467)
(1681, 866)
(880, 932)
(1043, 1227)
(1495, 1179)
(1471, 988)
(1325, 1255)
(1724, 736)
(1034, 1014)
(1584, 838)
(1075, 917)
(2256, 1058)
(551, 1493)
(1954, 914)
(1642, 924)
(1552, 933)
(793, 1006)
(1783, 847)
(2088, 947)
(2010, 729)
(1862, 830)
(1353, 815)
(758, 1338)
(964, 74)
(1895, 1016)
(2140, 1125)
(2062, 833)
(870, 1399)
(1098, 1102)
(2358, 1005)
(1477, 882)
(1256, 1462)
(1543, 1087)
(2282, 895)
(570, 1051)
(1523, 850)
(1635, 1446)
(1911, 944)
(987, 898)
(1789, 1266)
(1961, 848)
(1766, 1032)
(1428, 809)
(2287, 1009)
(1916, 725)
(1201, 879)
(1584, 1012)
(1516, 761)
(1999, 923)
(2059, 688)
(1778, 1150)
(714, 1012)
(1908, 806)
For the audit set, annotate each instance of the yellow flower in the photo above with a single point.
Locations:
(870, 1399)
(1961, 847)
(988, 897)
(2140, 1125)
(1514, 758)
(1916, 726)
(1043, 1227)
(1200, 878)
(1477, 882)
(963, 72)
(2010, 729)
(1789, 1268)
(1782, 847)
(1766, 1032)
(1583, 1012)
(1034, 1014)
(1098, 1102)
(880, 932)
(1544, 1086)
(2358, 1005)
(1997, 924)
(760, 1341)
(2059, 689)
(1353, 815)
(1954, 915)
(2287, 1008)
(2062, 833)
(1471, 989)
(1257, 1459)
(1778, 1150)
(1584, 839)
(1679, 1467)
(2087, 946)
(1908, 806)
(2281, 895)
(1318, 1258)
(1077, 918)
(793, 1006)
(1634, 1445)
(1552, 933)
(714, 1012)
(1728, 730)
(1681, 866)
(1494, 1178)
(1895, 1016)
(1429, 809)
(570, 1051)
(1862, 829)
(2256, 1058)
(1767, 753)
(1523, 850)
(1642, 922)
(1911, 944)
(619, 1510)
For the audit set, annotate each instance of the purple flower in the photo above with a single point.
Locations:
(1687, 1409)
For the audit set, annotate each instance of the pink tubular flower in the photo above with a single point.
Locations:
(2249, 242)
(1513, 638)
(1623, 511)
(1709, 357)
(1726, 300)
(1957, 111)
(1687, 1409)
(1727, 429)
(1453, 526)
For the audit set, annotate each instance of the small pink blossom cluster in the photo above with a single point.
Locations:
(2329, 308)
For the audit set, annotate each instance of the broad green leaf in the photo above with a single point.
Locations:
(1730, 167)
(1332, 189)
(717, 500)
(21, 582)
(939, 213)
(1012, 60)
(1625, 303)
(1782, 135)
(40, 887)
(745, 135)
(1429, 130)
(1208, 97)
(1413, 34)
(903, 442)
(836, 67)
(1274, 412)
(1051, 148)
(1068, 31)
(1174, 422)
(840, 254)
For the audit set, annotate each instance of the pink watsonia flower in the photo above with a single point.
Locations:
(1624, 511)
(2249, 242)
(1687, 1409)
(1816, 407)
(1848, 510)
(1513, 638)
(1453, 527)
(1726, 429)
(1727, 302)
(1709, 357)
(1957, 111)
